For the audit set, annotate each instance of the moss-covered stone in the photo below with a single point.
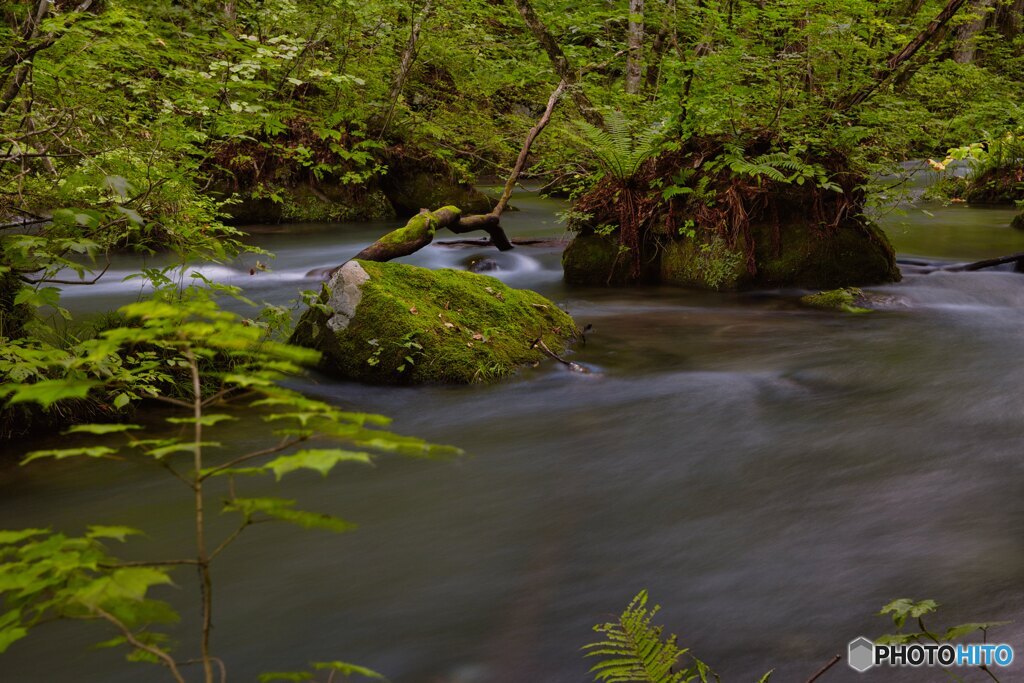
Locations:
(857, 253)
(847, 300)
(391, 323)
(1018, 221)
(597, 261)
(704, 264)
(329, 203)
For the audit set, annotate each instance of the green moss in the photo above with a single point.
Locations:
(1018, 222)
(704, 263)
(845, 300)
(412, 185)
(414, 325)
(333, 205)
(599, 261)
(855, 253)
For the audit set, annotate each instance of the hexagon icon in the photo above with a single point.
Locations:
(861, 656)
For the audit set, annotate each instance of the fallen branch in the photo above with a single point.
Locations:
(924, 267)
(516, 242)
(538, 343)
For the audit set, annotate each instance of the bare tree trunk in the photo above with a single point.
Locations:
(635, 58)
(559, 61)
(966, 35)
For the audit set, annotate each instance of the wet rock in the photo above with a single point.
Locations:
(598, 261)
(391, 323)
(481, 264)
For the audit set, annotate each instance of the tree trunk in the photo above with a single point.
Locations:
(405, 65)
(559, 61)
(966, 35)
(895, 61)
(1009, 18)
(17, 59)
(635, 58)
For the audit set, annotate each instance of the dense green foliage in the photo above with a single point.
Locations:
(147, 126)
(229, 367)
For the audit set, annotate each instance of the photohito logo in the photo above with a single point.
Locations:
(863, 654)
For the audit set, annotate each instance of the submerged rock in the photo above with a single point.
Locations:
(482, 264)
(848, 300)
(391, 323)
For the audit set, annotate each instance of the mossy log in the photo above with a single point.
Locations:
(421, 228)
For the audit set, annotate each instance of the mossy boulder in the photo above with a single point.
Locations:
(598, 261)
(391, 323)
(705, 264)
(798, 255)
(855, 253)
(1018, 221)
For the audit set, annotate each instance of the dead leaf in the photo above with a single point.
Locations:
(414, 310)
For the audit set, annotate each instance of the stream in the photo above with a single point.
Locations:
(771, 474)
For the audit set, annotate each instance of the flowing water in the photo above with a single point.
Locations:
(772, 475)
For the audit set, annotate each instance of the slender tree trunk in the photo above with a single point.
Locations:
(635, 58)
(17, 58)
(653, 74)
(408, 57)
(559, 61)
(898, 59)
(202, 556)
(1009, 18)
(966, 35)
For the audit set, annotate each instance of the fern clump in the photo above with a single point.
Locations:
(620, 149)
(634, 651)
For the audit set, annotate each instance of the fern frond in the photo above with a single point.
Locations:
(617, 148)
(634, 651)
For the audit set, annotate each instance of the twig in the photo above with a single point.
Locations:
(249, 456)
(538, 343)
(230, 539)
(165, 658)
(146, 563)
(822, 670)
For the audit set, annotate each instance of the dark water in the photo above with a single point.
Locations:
(772, 475)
